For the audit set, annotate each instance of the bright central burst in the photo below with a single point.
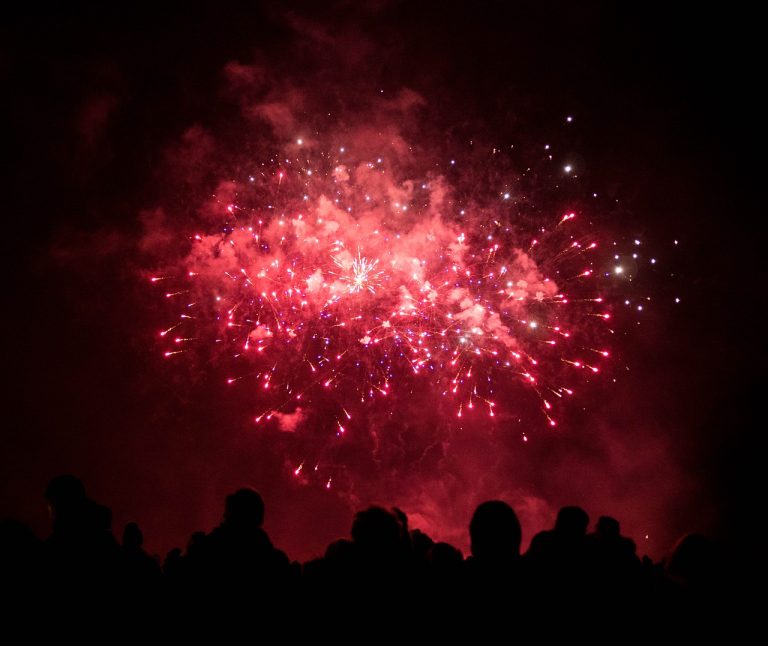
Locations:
(362, 274)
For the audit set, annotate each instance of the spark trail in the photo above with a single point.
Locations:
(340, 284)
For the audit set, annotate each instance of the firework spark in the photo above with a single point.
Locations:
(440, 293)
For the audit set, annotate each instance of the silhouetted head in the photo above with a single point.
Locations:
(495, 531)
(572, 521)
(132, 536)
(64, 493)
(376, 530)
(694, 559)
(608, 527)
(244, 508)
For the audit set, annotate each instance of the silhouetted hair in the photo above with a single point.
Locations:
(607, 526)
(376, 529)
(495, 531)
(572, 520)
(693, 558)
(64, 491)
(132, 536)
(244, 507)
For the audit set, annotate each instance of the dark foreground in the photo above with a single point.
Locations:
(385, 572)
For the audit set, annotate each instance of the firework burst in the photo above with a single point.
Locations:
(361, 275)
(341, 286)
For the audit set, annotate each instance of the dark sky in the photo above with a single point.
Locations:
(97, 100)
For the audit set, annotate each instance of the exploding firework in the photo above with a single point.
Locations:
(340, 285)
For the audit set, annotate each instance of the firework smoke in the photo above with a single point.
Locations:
(346, 285)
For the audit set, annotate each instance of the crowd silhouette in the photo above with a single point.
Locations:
(383, 561)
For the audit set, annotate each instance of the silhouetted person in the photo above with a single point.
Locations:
(334, 571)
(376, 533)
(558, 558)
(238, 554)
(607, 534)
(66, 500)
(607, 527)
(615, 568)
(380, 563)
(493, 569)
(386, 569)
(81, 548)
(572, 522)
(695, 565)
(445, 563)
(140, 569)
(172, 565)
(495, 533)
(698, 597)
(133, 538)
(420, 542)
(195, 543)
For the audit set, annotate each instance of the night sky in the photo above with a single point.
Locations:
(122, 121)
